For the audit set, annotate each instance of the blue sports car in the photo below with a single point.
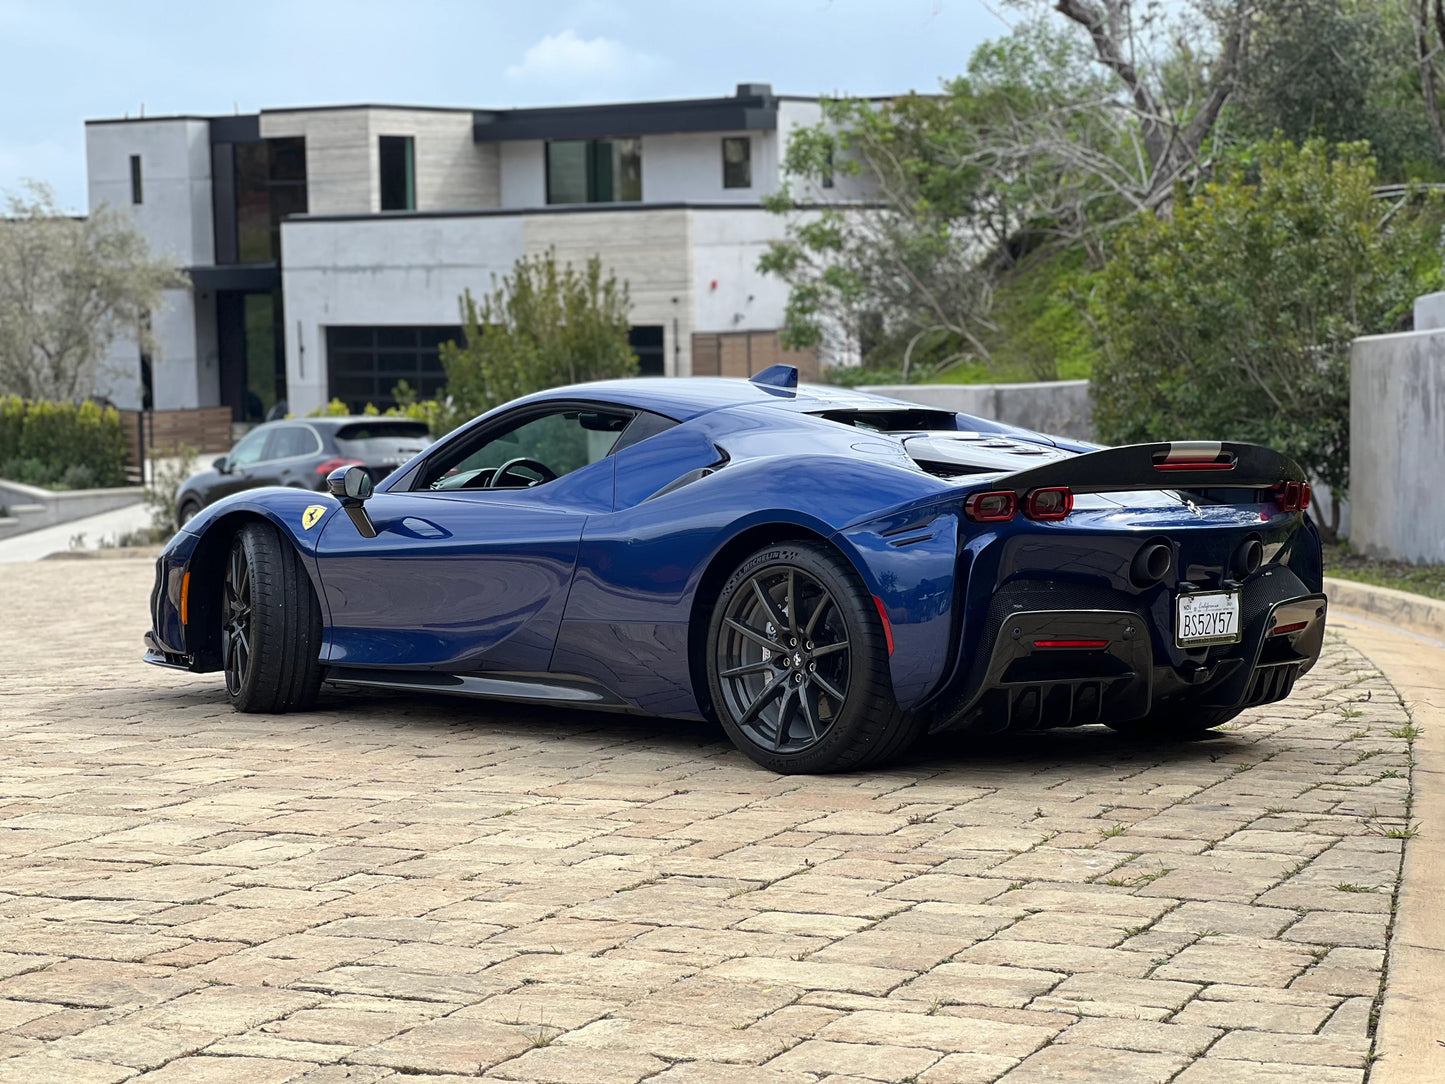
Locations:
(827, 574)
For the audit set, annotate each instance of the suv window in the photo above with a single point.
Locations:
(290, 441)
(560, 442)
(249, 449)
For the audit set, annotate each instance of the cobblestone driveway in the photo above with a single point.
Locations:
(389, 887)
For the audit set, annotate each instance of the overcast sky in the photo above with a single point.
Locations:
(64, 61)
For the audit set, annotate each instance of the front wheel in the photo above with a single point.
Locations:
(270, 624)
(188, 512)
(797, 664)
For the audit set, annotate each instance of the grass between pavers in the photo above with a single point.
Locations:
(1342, 562)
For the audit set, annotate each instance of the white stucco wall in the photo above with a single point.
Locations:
(412, 271)
(524, 173)
(689, 167)
(1397, 445)
(175, 218)
(175, 155)
(731, 293)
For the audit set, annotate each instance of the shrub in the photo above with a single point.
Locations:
(170, 469)
(61, 445)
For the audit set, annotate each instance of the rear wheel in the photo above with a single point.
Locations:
(798, 665)
(1176, 722)
(270, 625)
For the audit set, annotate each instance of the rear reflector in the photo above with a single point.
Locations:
(1052, 503)
(1194, 455)
(887, 625)
(331, 464)
(995, 506)
(1280, 630)
(1077, 645)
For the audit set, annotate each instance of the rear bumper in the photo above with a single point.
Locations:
(1123, 674)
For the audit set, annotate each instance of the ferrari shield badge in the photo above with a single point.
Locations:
(311, 515)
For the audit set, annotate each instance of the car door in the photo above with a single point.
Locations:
(289, 455)
(464, 575)
(242, 464)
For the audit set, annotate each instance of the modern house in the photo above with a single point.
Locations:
(328, 247)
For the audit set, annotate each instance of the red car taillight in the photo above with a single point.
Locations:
(1052, 503)
(1292, 496)
(994, 506)
(331, 464)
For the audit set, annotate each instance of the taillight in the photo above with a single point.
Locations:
(1055, 502)
(1072, 645)
(1292, 496)
(995, 506)
(1284, 630)
(331, 464)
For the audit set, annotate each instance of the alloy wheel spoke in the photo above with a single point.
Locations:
(830, 649)
(756, 635)
(774, 614)
(792, 606)
(823, 604)
(787, 707)
(747, 668)
(810, 709)
(759, 702)
(827, 687)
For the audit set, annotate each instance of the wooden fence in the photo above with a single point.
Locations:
(206, 429)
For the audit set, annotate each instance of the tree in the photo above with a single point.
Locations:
(68, 287)
(905, 217)
(541, 326)
(1233, 317)
(1341, 70)
(1173, 93)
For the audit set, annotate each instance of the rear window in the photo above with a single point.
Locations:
(383, 430)
(893, 419)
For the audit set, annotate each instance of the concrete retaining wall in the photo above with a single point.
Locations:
(1397, 446)
(29, 508)
(1061, 407)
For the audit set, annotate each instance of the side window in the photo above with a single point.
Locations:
(533, 452)
(249, 450)
(291, 441)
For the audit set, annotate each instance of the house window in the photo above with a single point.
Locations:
(269, 184)
(828, 168)
(398, 173)
(364, 364)
(594, 171)
(136, 195)
(737, 162)
(647, 343)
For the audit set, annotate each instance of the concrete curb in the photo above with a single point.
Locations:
(1410, 1038)
(1399, 609)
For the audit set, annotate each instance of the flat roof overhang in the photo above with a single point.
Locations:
(245, 277)
(746, 112)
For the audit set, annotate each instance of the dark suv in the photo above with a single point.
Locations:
(301, 452)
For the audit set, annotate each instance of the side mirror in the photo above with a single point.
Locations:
(349, 483)
(352, 487)
(222, 464)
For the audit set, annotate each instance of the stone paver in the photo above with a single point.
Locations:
(398, 888)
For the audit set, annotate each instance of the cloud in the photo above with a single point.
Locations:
(567, 58)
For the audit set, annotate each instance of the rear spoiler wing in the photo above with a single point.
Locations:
(1180, 464)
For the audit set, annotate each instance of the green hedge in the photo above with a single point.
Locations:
(61, 445)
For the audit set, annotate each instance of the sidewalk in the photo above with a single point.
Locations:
(91, 531)
(1410, 1039)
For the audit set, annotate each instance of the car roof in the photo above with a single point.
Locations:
(336, 421)
(687, 397)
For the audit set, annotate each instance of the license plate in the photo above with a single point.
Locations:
(1207, 617)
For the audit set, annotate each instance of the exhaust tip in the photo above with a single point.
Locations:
(1151, 564)
(1248, 557)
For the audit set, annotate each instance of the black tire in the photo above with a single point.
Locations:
(823, 703)
(188, 511)
(1178, 722)
(270, 624)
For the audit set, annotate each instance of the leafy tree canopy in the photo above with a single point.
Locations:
(68, 287)
(1233, 316)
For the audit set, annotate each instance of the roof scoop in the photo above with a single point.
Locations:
(777, 376)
